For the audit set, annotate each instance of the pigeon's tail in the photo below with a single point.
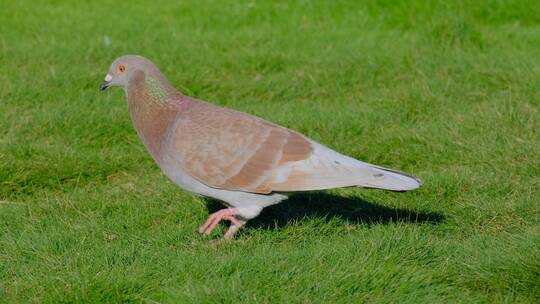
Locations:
(328, 169)
(393, 180)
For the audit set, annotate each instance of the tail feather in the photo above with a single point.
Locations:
(328, 169)
(393, 180)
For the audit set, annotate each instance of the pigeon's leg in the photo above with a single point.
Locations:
(233, 229)
(216, 217)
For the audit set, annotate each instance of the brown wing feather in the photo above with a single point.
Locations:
(232, 150)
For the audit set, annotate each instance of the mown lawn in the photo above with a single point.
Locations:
(446, 90)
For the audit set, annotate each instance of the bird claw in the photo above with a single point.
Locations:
(216, 217)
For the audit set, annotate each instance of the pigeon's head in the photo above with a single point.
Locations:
(124, 68)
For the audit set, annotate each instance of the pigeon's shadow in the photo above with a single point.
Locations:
(329, 207)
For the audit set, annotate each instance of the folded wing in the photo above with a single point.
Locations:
(231, 150)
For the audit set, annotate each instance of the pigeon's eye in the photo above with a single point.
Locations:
(121, 68)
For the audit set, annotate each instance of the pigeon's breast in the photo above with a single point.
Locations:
(152, 126)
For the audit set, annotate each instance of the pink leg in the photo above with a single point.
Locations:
(216, 217)
(231, 232)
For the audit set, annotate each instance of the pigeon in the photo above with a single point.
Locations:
(243, 161)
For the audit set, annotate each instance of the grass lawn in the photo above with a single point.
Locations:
(446, 90)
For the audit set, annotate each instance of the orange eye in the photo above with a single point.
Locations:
(121, 68)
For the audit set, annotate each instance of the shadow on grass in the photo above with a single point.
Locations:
(330, 207)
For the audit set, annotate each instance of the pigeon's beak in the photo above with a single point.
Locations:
(106, 83)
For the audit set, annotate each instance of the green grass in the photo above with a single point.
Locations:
(446, 90)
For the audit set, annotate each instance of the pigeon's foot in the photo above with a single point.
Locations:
(216, 217)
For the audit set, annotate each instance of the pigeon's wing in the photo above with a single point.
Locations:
(231, 150)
